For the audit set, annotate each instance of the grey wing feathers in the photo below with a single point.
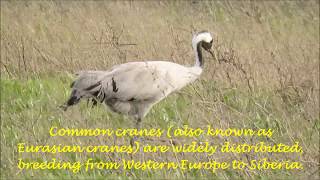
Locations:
(138, 82)
(133, 90)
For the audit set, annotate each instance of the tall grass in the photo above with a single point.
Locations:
(265, 75)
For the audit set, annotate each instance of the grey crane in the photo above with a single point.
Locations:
(134, 87)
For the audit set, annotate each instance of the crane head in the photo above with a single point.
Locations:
(207, 46)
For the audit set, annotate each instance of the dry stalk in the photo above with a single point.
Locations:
(229, 56)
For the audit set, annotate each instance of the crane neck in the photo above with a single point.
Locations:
(198, 54)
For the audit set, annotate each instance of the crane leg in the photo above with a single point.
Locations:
(138, 123)
(138, 126)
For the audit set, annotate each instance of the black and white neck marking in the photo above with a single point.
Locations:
(199, 60)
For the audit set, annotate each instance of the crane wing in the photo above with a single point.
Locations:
(137, 81)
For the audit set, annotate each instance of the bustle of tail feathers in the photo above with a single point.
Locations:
(76, 96)
(89, 93)
(74, 99)
(77, 74)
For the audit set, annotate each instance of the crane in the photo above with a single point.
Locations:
(133, 88)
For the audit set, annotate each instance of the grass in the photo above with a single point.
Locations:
(36, 101)
(268, 77)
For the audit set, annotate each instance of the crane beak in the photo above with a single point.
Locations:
(211, 52)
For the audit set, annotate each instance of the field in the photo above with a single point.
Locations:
(265, 75)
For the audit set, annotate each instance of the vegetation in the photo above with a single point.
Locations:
(265, 75)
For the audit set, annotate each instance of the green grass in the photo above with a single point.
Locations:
(30, 108)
